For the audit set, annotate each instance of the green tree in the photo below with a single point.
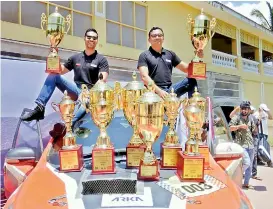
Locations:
(268, 23)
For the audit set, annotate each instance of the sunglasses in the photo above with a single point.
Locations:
(155, 35)
(92, 37)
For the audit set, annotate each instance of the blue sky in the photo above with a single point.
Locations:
(245, 7)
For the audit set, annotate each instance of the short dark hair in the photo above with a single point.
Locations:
(155, 28)
(89, 30)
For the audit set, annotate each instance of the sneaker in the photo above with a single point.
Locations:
(270, 164)
(37, 114)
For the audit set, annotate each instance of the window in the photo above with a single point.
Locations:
(9, 11)
(126, 24)
(81, 12)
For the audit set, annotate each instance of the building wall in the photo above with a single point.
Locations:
(172, 17)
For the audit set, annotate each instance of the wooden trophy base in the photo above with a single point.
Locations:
(103, 160)
(190, 168)
(169, 156)
(204, 151)
(148, 172)
(197, 70)
(53, 65)
(71, 159)
(133, 155)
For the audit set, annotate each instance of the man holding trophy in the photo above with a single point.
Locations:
(157, 63)
(86, 65)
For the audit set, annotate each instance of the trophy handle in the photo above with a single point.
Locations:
(55, 106)
(83, 97)
(189, 24)
(118, 96)
(43, 20)
(212, 27)
(68, 22)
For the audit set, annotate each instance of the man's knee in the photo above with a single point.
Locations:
(54, 77)
(192, 83)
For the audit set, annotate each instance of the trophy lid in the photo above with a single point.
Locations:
(201, 17)
(66, 99)
(149, 96)
(134, 85)
(172, 97)
(55, 14)
(101, 85)
(196, 97)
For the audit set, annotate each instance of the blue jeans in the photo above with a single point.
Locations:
(181, 87)
(55, 80)
(248, 171)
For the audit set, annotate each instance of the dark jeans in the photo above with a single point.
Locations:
(181, 87)
(55, 80)
(256, 146)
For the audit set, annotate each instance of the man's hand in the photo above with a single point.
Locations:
(243, 126)
(163, 94)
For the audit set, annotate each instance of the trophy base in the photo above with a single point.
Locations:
(169, 156)
(71, 159)
(190, 168)
(204, 151)
(103, 161)
(148, 172)
(197, 70)
(53, 65)
(133, 155)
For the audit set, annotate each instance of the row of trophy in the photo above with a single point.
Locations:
(144, 111)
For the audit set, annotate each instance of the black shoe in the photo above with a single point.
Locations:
(270, 164)
(37, 114)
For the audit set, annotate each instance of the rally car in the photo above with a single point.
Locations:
(32, 179)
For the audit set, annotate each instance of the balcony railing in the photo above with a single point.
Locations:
(268, 70)
(250, 66)
(223, 59)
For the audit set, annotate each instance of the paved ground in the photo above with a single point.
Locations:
(262, 194)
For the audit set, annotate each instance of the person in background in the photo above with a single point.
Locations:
(243, 126)
(264, 114)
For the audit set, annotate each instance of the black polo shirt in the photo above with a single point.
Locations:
(160, 65)
(87, 68)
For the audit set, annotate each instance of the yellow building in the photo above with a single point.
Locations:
(235, 56)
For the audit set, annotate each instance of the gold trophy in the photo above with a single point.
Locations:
(170, 146)
(149, 124)
(130, 94)
(55, 30)
(201, 148)
(71, 154)
(190, 166)
(201, 30)
(101, 107)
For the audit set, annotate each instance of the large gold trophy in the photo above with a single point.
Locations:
(201, 30)
(149, 124)
(71, 154)
(170, 146)
(101, 107)
(55, 30)
(129, 96)
(191, 163)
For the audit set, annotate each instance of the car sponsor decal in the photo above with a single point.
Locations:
(192, 189)
(128, 200)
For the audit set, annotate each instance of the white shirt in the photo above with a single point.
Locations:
(264, 120)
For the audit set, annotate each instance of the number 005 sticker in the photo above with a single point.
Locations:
(193, 189)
